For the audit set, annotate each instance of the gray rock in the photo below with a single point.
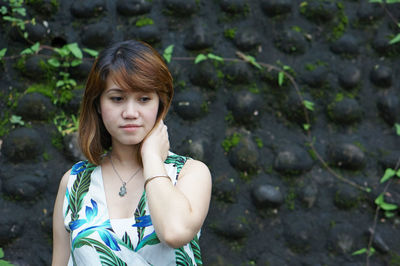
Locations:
(346, 45)
(320, 11)
(25, 186)
(290, 42)
(233, 6)
(245, 107)
(267, 196)
(87, 9)
(181, 8)
(346, 111)
(22, 144)
(247, 39)
(276, 7)
(189, 104)
(381, 76)
(244, 156)
(198, 37)
(388, 104)
(292, 160)
(72, 149)
(346, 155)
(205, 75)
(97, 35)
(341, 238)
(133, 7)
(349, 76)
(35, 107)
(309, 194)
(346, 197)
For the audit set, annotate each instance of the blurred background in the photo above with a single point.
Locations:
(294, 106)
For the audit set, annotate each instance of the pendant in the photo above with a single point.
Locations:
(122, 190)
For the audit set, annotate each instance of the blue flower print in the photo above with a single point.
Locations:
(144, 221)
(78, 167)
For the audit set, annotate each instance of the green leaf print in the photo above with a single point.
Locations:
(177, 160)
(107, 257)
(182, 258)
(127, 241)
(194, 245)
(140, 212)
(79, 190)
(151, 239)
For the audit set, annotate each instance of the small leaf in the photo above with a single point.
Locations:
(3, 10)
(389, 214)
(168, 53)
(75, 50)
(396, 39)
(389, 173)
(388, 206)
(306, 126)
(397, 127)
(200, 58)
(91, 52)
(252, 61)
(3, 52)
(35, 47)
(54, 62)
(309, 105)
(359, 252)
(215, 57)
(375, 1)
(60, 83)
(392, 1)
(76, 62)
(1, 253)
(15, 119)
(281, 77)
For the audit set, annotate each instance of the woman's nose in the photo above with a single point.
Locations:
(131, 110)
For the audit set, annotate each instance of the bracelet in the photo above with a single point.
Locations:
(154, 177)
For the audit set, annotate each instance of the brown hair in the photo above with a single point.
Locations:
(132, 65)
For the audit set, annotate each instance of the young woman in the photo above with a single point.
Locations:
(133, 202)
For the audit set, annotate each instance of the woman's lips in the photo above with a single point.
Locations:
(130, 127)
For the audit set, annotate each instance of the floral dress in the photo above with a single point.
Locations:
(98, 240)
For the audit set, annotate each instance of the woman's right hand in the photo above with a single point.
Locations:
(156, 144)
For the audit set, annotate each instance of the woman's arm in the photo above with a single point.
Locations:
(61, 245)
(177, 212)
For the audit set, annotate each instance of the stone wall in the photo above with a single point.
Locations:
(288, 189)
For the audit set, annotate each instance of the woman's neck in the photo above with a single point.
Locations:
(125, 155)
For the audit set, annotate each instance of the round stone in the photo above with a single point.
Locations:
(205, 75)
(389, 106)
(198, 37)
(341, 238)
(276, 7)
(298, 232)
(11, 224)
(233, 6)
(346, 155)
(267, 196)
(231, 224)
(346, 45)
(320, 11)
(245, 107)
(37, 32)
(346, 197)
(293, 108)
(349, 76)
(87, 9)
(316, 78)
(71, 147)
(381, 76)
(290, 42)
(293, 160)
(25, 186)
(345, 111)
(34, 67)
(308, 194)
(22, 144)
(199, 148)
(189, 104)
(35, 107)
(225, 188)
(369, 12)
(181, 8)
(238, 73)
(97, 35)
(247, 39)
(149, 33)
(133, 7)
(244, 156)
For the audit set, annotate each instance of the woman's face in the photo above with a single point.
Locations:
(128, 115)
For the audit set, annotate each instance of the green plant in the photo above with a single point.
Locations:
(144, 22)
(4, 262)
(230, 142)
(202, 57)
(230, 33)
(168, 53)
(66, 124)
(15, 14)
(17, 120)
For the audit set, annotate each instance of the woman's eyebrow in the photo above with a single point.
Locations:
(114, 89)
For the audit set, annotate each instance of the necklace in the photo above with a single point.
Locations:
(122, 189)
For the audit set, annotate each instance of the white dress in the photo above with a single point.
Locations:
(97, 240)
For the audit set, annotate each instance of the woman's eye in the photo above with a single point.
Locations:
(116, 99)
(144, 99)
